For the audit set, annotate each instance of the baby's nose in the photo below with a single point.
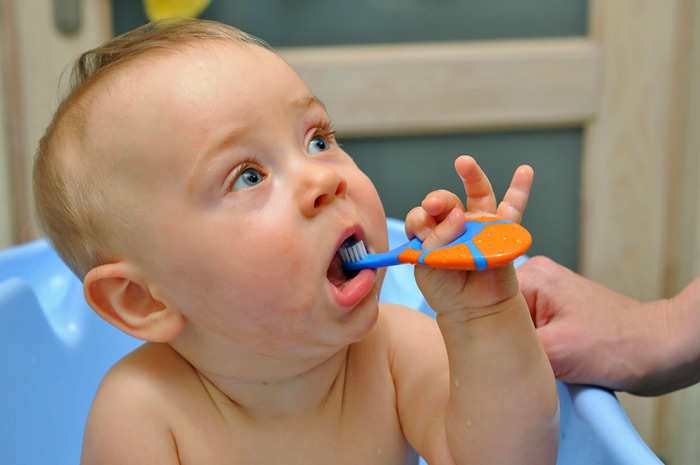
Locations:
(320, 186)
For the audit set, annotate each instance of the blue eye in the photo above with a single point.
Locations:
(318, 144)
(248, 178)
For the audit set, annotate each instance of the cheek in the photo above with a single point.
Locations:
(265, 281)
(280, 283)
(366, 197)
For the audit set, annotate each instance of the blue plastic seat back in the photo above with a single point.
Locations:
(35, 381)
(54, 350)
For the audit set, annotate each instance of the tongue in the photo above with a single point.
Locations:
(335, 272)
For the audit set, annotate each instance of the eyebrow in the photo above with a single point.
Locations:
(306, 102)
(303, 103)
(212, 152)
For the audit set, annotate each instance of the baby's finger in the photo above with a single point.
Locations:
(436, 206)
(419, 223)
(440, 203)
(446, 231)
(513, 204)
(480, 196)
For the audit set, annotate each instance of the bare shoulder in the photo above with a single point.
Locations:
(394, 311)
(132, 407)
(151, 370)
(406, 326)
(402, 344)
(411, 339)
(395, 325)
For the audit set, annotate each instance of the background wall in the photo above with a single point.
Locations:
(408, 165)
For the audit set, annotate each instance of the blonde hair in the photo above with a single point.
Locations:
(71, 184)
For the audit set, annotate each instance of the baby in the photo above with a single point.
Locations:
(194, 183)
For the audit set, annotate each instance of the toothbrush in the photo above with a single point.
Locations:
(488, 242)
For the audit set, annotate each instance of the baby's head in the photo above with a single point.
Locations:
(192, 170)
(75, 179)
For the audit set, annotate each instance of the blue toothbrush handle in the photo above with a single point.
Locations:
(380, 260)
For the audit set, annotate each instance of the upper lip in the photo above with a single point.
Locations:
(354, 231)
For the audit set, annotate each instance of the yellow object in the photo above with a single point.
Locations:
(162, 9)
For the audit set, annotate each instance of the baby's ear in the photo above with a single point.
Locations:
(117, 292)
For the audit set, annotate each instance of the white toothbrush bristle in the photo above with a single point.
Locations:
(351, 253)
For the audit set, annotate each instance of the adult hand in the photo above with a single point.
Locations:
(593, 335)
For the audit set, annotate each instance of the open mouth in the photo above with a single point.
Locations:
(337, 275)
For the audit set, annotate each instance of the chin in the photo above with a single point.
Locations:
(363, 318)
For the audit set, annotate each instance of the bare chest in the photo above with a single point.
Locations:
(357, 423)
(361, 434)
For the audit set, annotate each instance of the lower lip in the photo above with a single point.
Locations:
(356, 289)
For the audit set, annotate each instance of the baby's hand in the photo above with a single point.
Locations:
(441, 218)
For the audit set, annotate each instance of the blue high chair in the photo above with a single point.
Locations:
(54, 351)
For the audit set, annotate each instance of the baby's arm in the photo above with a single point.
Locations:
(502, 405)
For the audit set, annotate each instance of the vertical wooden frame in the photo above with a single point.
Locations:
(6, 204)
(634, 143)
(14, 162)
(38, 55)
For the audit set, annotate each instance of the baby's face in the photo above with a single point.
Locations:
(240, 198)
